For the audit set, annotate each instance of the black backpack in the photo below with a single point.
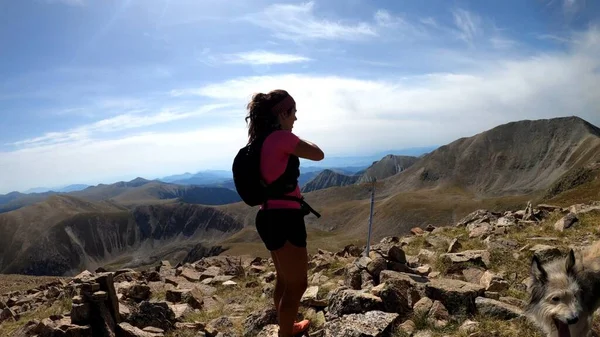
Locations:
(253, 189)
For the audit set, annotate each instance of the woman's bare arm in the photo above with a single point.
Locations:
(308, 150)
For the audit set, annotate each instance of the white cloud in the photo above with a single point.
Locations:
(299, 22)
(148, 154)
(262, 57)
(434, 108)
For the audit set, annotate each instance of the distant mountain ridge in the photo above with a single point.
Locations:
(130, 193)
(206, 187)
(387, 167)
(328, 178)
(63, 189)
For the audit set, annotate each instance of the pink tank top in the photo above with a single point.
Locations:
(276, 150)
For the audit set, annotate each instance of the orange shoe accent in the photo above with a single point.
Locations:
(300, 326)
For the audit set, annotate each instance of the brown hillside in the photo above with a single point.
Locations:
(515, 158)
(15, 200)
(104, 191)
(64, 235)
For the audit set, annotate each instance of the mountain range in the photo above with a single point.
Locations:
(223, 178)
(549, 160)
(142, 221)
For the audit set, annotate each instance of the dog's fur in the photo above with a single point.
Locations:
(565, 292)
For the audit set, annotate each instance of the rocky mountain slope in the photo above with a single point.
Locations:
(387, 167)
(514, 158)
(65, 234)
(328, 178)
(468, 279)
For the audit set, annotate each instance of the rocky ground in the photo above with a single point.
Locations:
(468, 279)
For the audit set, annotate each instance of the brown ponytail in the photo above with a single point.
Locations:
(260, 118)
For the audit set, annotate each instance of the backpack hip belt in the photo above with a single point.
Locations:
(303, 204)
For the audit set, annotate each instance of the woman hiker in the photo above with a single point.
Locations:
(280, 223)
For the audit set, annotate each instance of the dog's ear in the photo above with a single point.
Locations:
(537, 271)
(570, 262)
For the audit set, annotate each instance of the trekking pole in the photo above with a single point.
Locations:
(368, 250)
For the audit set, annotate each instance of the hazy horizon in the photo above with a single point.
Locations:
(329, 162)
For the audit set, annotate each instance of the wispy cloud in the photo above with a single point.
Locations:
(299, 22)
(67, 2)
(303, 22)
(385, 19)
(571, 6)
(429, 21)
(262, 57)
(468, 24)
(502, 43)
(552, 37)
(113, 124)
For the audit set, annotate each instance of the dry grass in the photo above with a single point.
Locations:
(57, 308)
(249, 298)
(515, 328)
(12, 282)
(181, 333)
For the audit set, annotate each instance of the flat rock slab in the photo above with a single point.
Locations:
(457, 296)
(370, 324)
(497, 309)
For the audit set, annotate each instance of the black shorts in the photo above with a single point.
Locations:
(278, 225)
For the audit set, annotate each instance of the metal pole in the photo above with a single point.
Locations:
(368, 250)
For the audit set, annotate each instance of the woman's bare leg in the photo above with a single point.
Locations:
(293, 264)
(279, 286)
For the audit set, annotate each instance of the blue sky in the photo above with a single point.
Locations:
(95, 91)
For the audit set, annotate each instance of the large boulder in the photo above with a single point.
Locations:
(349, 301)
